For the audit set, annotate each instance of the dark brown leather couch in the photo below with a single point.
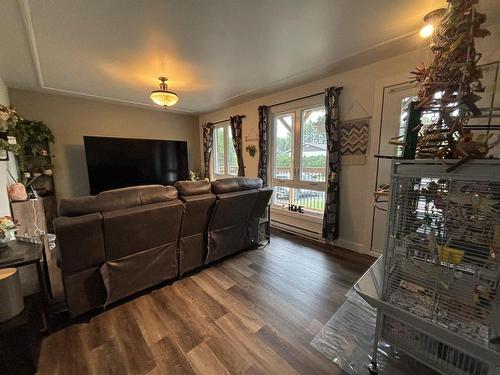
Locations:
(259, 212)
(228, 231)
(122, 241)
(117, 243)
(199, 203)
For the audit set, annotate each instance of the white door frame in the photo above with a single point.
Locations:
(375, 141)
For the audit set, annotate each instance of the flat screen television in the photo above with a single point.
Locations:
(120, 162)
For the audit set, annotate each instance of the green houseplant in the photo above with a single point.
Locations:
(33, 138)
(9, 118)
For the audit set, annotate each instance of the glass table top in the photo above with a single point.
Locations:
(18, 253)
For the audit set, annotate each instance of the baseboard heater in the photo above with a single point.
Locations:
(313, 235)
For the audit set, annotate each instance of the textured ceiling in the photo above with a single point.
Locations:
(214, 52)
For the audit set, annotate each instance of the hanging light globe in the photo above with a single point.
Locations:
(163, 96)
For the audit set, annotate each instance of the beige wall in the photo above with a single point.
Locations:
(4, 95)
(71, 118)
(4, 179)
(361, 86)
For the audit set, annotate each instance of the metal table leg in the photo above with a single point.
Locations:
(373, 367)
(43, 294)
(46, 267)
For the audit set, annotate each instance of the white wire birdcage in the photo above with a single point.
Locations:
(439, 300)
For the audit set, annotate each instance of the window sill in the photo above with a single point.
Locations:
(308, 216)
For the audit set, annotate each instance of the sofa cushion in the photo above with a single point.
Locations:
(156, 194)
(228, 185)
(187, 188)
(117, 199)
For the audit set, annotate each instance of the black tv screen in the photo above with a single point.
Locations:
(120, 162)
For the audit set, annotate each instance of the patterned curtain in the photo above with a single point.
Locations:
(332, 126)
(237, 142)
(208, 142)
(263, 144)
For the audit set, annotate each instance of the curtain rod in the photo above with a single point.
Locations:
(221, 121)
(294, 100)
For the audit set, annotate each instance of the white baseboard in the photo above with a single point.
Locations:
(296, 230)
(315, 236)
(351, 245)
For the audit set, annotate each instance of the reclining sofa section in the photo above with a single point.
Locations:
(236, 206)
(117, 243)
(199, 202)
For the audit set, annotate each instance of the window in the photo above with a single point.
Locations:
(427, 117)
(299, 159)
(224, 162)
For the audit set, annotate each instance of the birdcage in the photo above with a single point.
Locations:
(441, 273)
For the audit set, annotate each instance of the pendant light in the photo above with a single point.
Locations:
(431, 19)
(163, 96)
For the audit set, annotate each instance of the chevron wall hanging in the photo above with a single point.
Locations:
(354, 141)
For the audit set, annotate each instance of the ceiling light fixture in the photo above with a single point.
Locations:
(163, 96)
(431, 19)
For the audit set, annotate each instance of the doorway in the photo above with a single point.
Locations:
(395, 100)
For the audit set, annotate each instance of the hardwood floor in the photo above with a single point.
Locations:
(254, 313)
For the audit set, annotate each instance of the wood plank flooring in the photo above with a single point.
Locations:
(254, 313)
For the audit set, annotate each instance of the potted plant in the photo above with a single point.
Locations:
(251, 149)
(8, 118)
(195, 175)
(8, 122)
(7, 230)
(33, 138)
(47, 170)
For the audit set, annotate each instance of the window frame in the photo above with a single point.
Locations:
(227, 143)
(296, 182)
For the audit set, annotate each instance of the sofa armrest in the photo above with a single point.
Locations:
(80, 241)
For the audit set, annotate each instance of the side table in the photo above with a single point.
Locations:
(20, 341)
(18, 254)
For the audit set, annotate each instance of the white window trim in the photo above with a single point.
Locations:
(214, 175)
(295, 182)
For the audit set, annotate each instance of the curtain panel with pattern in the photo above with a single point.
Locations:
(237, 135)
(264, 115)
(332, 127)
(208, 142)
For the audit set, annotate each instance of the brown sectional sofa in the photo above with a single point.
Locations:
(199, 202)
(238, 203)
(122, 241)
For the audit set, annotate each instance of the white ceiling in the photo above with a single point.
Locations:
(213, 51)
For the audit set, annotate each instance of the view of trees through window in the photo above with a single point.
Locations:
(300, 145)
(313, 153)
(284, 146)
(224, 155)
